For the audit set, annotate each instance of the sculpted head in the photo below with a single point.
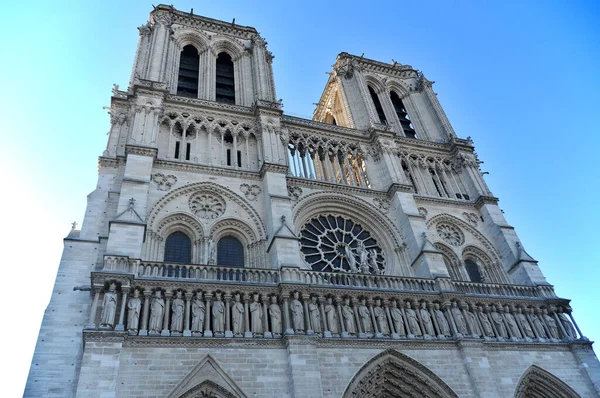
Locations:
(136, 293)
(113, 287)
(158, 293)
(255, 297)
(274, 299)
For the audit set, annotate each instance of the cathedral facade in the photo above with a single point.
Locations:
(231, 250)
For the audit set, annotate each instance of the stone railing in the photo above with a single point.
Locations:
(179, 307)
(493, 289)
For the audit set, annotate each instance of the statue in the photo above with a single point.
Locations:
(315, 315)
(511, 323)
(256, 315)
(177, 313)
(373, 262)
(351, 260)
(441, 321)
(552, 327)
(566, 323)
(538, 325)
(498, 320)
(472, 321)
(218, 313)
(381, 318)
(297, 313)
(109, 307)
(348, 315)
(365, 316)
(363, 256)
(157, 311)
(275, 314)
(133, 312)
(212, 252)
(198, 313)
(522, 319)
(459, 319)
(426, 319)
(485, 322)
(237, 316)
(413, 321)
(331, 316)
(397, 318)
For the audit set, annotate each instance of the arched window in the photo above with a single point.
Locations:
(189, 67)
(178, 248)
(378, 106)
(225, 85)
(402, 114)
(230, 252)
(473, 271)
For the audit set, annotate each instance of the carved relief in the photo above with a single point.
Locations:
(472, 218)
(163, 182)
(423, 212)
(382, 204)
(207, 205)
(450, 234)
(250, 191)
(294, 192)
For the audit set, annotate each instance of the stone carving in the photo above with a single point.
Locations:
(397, 319)
(485, 322)
(207, 205)
(314, 315)
(163, 18)
(426, 319)
(256, 315)
(441, 321)
(498, 320)
(157, 311)
(381, 317)
(365, 317)
(423, 212)
(218, 314)
(164, 182)
(348, 315)
(538, 324)
(511, 323)
(212, 252)
(297, 313)
(382, 204)
(472, 218)
(552, 327)
(522, 319)
(413, 321)
(177, 308)
(134, 305)
(237, 316)
(109, 307)
(331, 316)
(250, 191)
(450, 234)
(459, 319)
(198, 313)
(363, 258)
(275, 314)
(566, 323)
(472, 321)
(294, 192)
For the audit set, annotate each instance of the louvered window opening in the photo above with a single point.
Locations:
(189, 69)
(378, 106)
(225, 84)
(402, 114)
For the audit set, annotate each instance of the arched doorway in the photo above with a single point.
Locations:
(538, 383)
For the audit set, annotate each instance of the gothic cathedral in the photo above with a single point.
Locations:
(231, 250)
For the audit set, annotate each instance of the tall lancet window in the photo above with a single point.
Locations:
(230, 252)
(400, 109)
(225, 80)
(378, 106)
(178, 248)
(189, 69)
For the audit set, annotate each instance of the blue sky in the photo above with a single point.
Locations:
(520, 78)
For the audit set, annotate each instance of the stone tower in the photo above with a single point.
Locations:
(231, 250)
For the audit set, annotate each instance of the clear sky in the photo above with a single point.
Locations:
(520, 77)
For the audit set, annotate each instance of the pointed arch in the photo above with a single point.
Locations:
(392, 374)
(539, 383)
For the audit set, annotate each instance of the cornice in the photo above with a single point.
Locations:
(197, 102)
(211, 170)
(485, 200)
(445, 201)
(106, 162)
(273, 168)
(323, 127)
(140, 150)
(396, 69)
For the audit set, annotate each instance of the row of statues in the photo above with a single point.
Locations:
(256, 315)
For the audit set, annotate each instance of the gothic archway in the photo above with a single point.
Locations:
(392, 374)
(538, 383)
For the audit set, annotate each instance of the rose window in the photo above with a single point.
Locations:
(207, 205)
(450, 234)
(335, 243)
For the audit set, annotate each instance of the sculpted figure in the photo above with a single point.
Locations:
(177, 308)
(397, 318)
(552, 327)
(413, 321)
(275, 313)
(498, 320)
(373, 262)
(538, 325)
(237, 316)
(109, 307)
(381, 317)
(441, 321)
(332, 317)
(511, 322)
(365, 316)
(157, 311)
(485, 322)
(133, 312)
(363, 256)
(566, 323)
(459, 319)
(351, 260)
(218, 313)
(256, 315)
(212, 251)
(472, 321)
(522, 319)
(426, 319)
(315, 315)
(348, 315)
(297, 313)
(198, 313)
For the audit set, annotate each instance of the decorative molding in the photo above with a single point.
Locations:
(472, 218)
(450, 234)
(207, 205)
(251, 191)
(164, 182)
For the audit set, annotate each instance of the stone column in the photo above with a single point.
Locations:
(120, 326)
(307, 325)
(144, 325)
(228, 332)
(92, 321)
(168, 295)
(286, 316)
(247, 332)
(560, 326)
(207, 316)
(581, 336)
(265, 302)
(188, 312)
